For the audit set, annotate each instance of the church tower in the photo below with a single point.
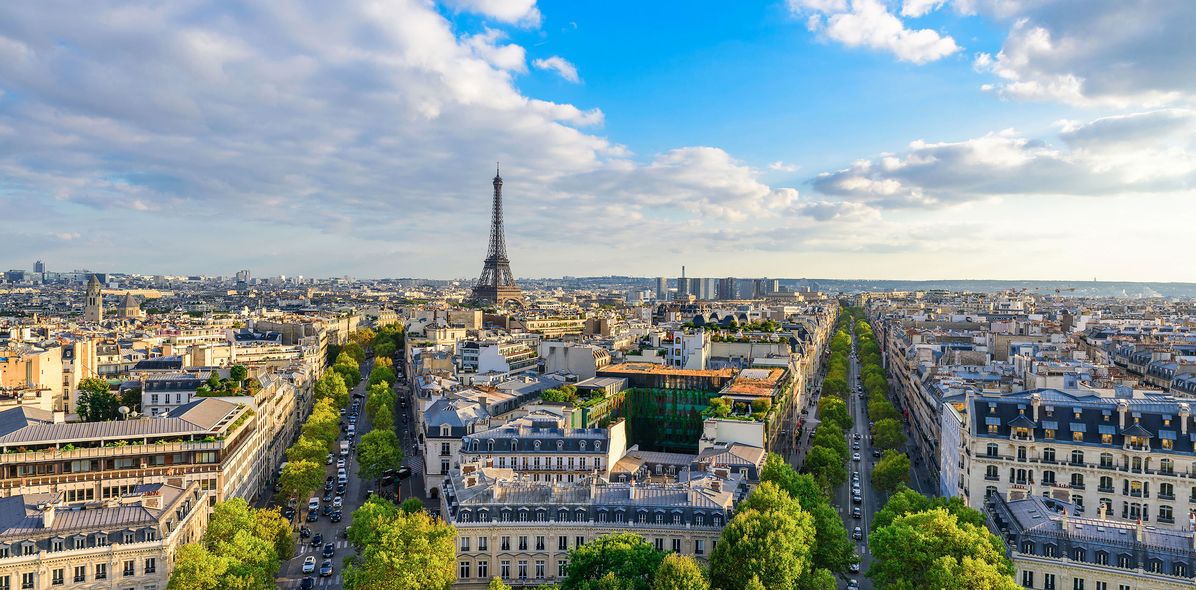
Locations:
(93, 309)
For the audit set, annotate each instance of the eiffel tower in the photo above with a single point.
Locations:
(497, 284)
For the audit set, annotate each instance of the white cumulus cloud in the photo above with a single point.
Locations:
(870, 24)
(559, 65)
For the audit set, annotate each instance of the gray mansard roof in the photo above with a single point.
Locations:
(26, 426)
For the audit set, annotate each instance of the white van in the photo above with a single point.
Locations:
(313, 504)
(344, 448)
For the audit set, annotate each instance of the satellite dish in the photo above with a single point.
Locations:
(124, 411)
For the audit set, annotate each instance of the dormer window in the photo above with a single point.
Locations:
(597, 445)
(560, 444)
(537, 445)
(490, 445)
(582, 444)
(445, 430)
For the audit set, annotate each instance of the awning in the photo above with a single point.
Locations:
(1079, 427)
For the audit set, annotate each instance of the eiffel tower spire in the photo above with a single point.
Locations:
(497, 284)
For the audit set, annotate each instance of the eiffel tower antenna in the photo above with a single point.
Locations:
(497, 284)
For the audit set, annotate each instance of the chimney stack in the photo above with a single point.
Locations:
(47, 515)
(1140, 532)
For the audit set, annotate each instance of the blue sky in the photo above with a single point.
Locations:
(826, 138)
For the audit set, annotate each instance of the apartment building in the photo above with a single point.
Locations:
(125, 542)
(540, 446)
(1128, 451)
(212, 442)
(522, 530)
(1054, 549)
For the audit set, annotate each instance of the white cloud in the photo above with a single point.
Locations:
(868, 23)
(917, 8)
(362, 126)
(780, 166)
(523, 12)
(1143, 153)
(559, 65)
(1109, 52)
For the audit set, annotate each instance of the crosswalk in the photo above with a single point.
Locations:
(307, 548)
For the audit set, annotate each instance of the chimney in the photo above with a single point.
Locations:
(716, 485)
(1035, 401)
(1100, 511)
(47, 515)
(1140, 532)
(1184, 411)
(1122, 409)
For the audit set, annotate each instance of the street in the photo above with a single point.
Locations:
(356, 492)
(842, 498)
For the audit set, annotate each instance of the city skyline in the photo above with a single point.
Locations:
(864, 139)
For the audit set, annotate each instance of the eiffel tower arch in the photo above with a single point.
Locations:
(497, 284)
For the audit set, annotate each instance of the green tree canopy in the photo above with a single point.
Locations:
(368, 520)
(891, 471)
(300, 478)
(832, 410)
(888, 434)
(829, 436)
(826, 466)
(833, 551)
(97, 402)
(772, 545)
(307, 449)
(719, 407)
(354, 352)
(238, 373)
(679, 572)
(497, 584)
(933, 549)
(331, 385)
(378, 451)
(411, 505)
(906, 501)
(880, 408)
(243, 548)
(196, 568)
(626, 556)
(380, 374)
(408, 551)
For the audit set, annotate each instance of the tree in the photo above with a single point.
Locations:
(826, 466)
(196, 568)
(238, 373)
(408, 552)
(411, 505)
(829, 436)
(933, 549)
(891, 471)
(363, 337)
(354, 351)
(880, 408)
(331, 385)
(384, 350)
(772, 545)
(271, 526)
(380, 374)
(300, 478)
(368, 520)
(350, 374)
(96, 402)
(323, 422)
(252, 563)
(497, 584)
(754, 584)
(679, 572)
(887, 434)
(833, 410)
(719, 408)
(554, 395)
(626, 556)
(307, 449)
(820, 579)
(832, 551)
(384, 419)
(379, 451)
(131, 398)
(906, 501)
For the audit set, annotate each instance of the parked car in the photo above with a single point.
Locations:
(856, 512)
(326, 568)
(328, 495)
(329, 460)
(309, 564)
(857, 499)
(313, 516)
(876, 453)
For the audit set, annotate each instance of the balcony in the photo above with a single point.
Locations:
(1105, 489)
(1138, 494)
(1166, 519)
(1077, 486)
(992, 477)
(1163, 496)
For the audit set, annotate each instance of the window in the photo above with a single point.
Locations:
(465, 544)
(1048, 455)
(1079, 554)
(1050, 550)
(504, 569)
(80, 543)
(444, 466)
(562, 568)
(1048, 477)
(463, 573)
(1077, 584)
(1106, 459)
(699, 547)
(80, 573)
(128, 537)
(659, 543)
(101, 571)
(505, 544)
(1179, 569)
(1106, 484)
(58, 577)
(522, 564)
(539, 568)
(127, 570)
(1102, 586)
(28, 549)
(539, 542)
(562, 543)
(1125, 561)
(1077, 480)
(483, 543)
(444, 450)
(578, 541)
(27, 580)
(1102, 558)
(1078, 456)
(991, 451)
(990, 473)
(676, 545)
(151, 565)
(1027, 579)
(1048, 581)
(484, 569)
(151, 535)
(523, 543)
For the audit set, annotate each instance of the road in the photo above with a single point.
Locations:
(355, 495)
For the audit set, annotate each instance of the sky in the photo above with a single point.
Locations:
(899, 139)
